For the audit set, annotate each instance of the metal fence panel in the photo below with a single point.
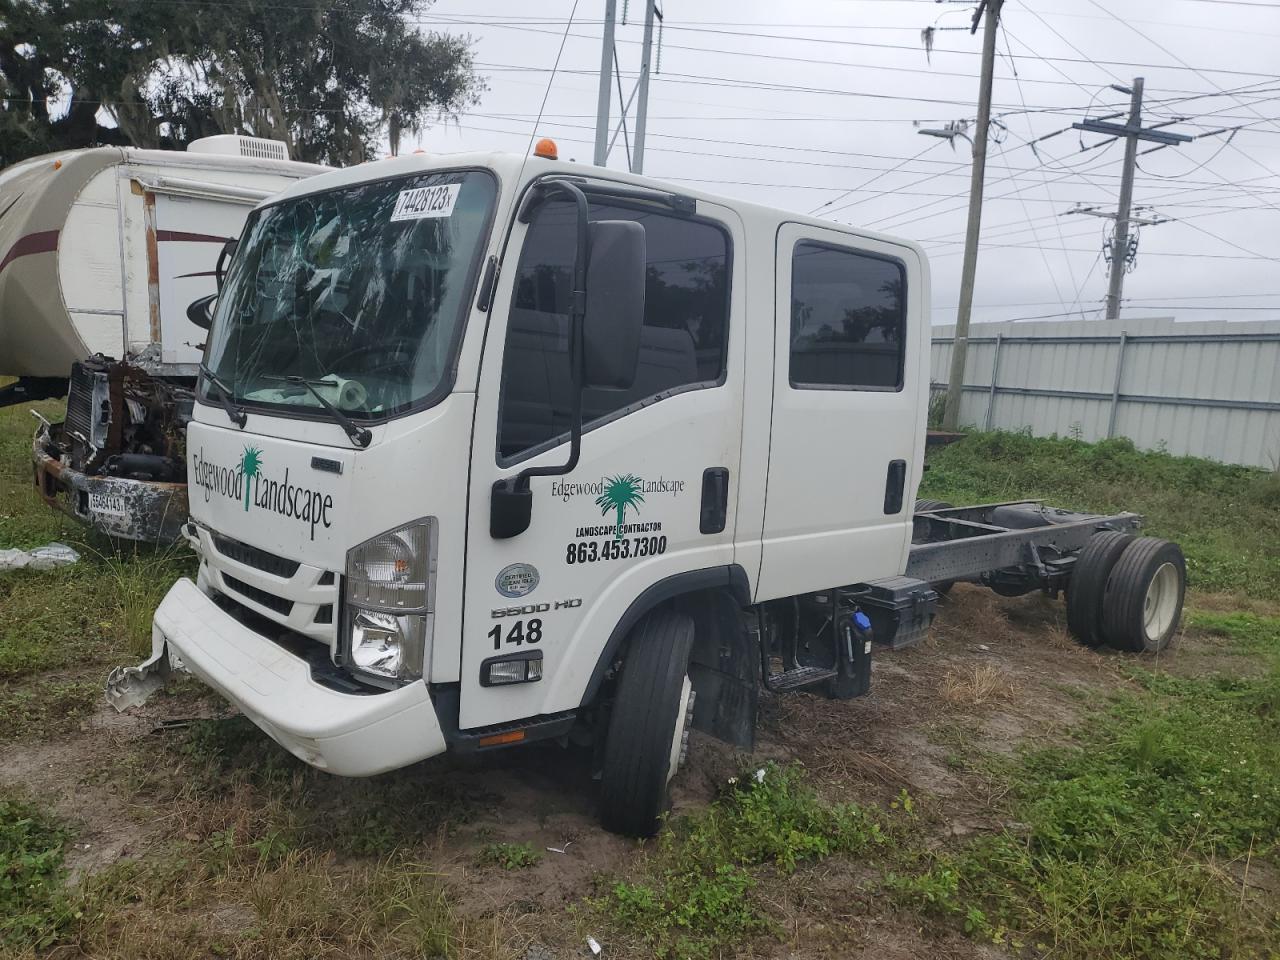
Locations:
(1205, 388)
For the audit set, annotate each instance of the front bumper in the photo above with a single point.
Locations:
(146, 511)
(353, 735)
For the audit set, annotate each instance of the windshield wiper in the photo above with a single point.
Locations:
(237, 415)
(360, 436)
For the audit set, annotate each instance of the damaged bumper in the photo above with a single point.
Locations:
(142, 510)
(351, 734)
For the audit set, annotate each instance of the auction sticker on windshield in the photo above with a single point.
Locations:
(422, 202)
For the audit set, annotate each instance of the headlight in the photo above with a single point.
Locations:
(389, 604)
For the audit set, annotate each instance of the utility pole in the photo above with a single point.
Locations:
(1120, 240)
(960, 345)
(606, 79)
(642, 104)
(1132, 132)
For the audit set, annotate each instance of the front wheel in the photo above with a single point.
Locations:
(646, 734)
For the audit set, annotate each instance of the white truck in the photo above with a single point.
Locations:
(493, 450)
(108, 258)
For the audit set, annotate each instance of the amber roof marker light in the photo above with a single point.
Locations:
(546, 148)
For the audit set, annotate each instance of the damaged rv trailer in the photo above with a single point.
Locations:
(108, 260)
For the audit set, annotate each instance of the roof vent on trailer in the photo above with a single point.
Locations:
(234, 145)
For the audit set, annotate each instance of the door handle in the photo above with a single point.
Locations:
(894, 482)
(715, 500)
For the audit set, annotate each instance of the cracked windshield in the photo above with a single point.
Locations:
(360, 292)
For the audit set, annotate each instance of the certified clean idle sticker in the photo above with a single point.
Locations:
(517, 580)
(422, 202)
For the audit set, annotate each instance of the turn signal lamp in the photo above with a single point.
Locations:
(546, 148)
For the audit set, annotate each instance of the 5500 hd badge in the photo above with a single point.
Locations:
(531, 608)
(248, 483)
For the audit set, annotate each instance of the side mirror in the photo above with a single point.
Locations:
(615, 304)
(200, 312)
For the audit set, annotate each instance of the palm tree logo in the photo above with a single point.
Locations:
(620, 493)
(250, 464)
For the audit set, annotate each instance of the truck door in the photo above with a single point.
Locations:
(847, 437)
(653, 492)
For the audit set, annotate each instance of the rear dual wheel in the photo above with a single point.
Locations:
(1143, 601)
(1127, 592)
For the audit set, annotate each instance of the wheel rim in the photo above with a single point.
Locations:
(680, 737)
(1161, 602)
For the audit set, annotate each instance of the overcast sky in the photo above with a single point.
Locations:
(817, 102)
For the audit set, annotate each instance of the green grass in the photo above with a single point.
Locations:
(508, 856)
(34, 906)
(94, 612)
(1131, 840)
(303, 864)
(1227, 518)
(694, 895)
(49, 707)
(21, 525)
(216, 766)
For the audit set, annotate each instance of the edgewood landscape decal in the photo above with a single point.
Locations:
(617, 497)
(246, 482)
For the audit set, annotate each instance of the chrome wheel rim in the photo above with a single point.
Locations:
(1160, 605)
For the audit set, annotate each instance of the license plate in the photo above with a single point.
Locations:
(107, 504)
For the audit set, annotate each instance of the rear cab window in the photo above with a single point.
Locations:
(848, 319)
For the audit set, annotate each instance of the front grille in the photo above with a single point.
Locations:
(80, 402)
(261, 597)
(253, 557)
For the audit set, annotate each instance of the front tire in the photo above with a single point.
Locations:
(646, 730)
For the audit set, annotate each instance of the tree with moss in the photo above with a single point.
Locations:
(331, 78)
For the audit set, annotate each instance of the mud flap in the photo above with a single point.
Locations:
(723, 668)
(129, 687)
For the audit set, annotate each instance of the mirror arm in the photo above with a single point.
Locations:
(577, 311)
(219, 274)
(512, 505)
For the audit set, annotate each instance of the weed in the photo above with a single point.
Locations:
(975, 685)
(1121, 834)
(25, 521)
(33, 905)
(140, 577)
(1248, 632)
(47, 708)
(508, 856)
(300, 906)
(225, 772)
(693, 894)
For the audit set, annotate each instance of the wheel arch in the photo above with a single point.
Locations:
(710, 582)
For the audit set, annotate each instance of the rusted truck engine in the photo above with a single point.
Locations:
(118, 460)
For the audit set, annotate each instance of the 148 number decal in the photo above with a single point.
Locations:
(517, 634)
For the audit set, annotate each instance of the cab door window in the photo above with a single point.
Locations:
(848, 319)
(682, 343)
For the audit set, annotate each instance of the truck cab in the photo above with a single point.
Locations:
(491, 449)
